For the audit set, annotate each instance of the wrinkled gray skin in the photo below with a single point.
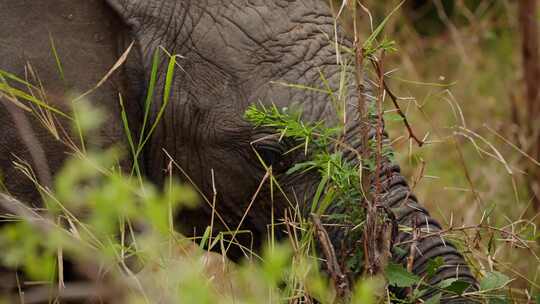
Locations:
(231, 51)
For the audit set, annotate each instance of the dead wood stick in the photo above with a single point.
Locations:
(339, 279)
(531, 75)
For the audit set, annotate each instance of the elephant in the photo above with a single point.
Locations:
(231, 54)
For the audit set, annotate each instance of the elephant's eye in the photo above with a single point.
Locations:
(272, 156)
(269, 155)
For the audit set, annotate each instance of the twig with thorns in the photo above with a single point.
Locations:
(394, 99)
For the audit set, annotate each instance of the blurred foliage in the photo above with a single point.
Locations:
(459, 74)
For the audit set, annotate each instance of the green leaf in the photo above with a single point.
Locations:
(445, 283)
(205, 237)
(493, 280)
(316, 197)
(275, 261)
(399, 276)
(364, 293)
(458, 286)
(398, 251)
(499, 299)
(434, 265)
(305, 166)
(393, 117)
(436, 299)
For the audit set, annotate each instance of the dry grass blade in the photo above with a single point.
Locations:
(525, 154)
(115, 67)
(248, 208)
(21, 210)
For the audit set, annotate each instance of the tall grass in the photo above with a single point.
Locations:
(459, 87)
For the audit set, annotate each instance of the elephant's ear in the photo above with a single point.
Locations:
(152, 22)
(142, 17)
(131, 11)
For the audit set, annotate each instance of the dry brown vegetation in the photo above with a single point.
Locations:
(468, 81)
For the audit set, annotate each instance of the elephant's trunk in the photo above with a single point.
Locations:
(428, 244)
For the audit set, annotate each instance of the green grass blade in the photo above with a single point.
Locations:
(320, 189)
(56, 57)
(369, 42)
(6, 88)
(166, 96)
(205, 238)
(8, 75)
(127, 130)
(149, 94)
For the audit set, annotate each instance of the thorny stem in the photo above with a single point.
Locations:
(394, 99)
(364, 134)
(380, 99)
(368, 233)
(363, 113)
(374, 251)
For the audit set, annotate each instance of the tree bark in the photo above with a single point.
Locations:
(531, 76)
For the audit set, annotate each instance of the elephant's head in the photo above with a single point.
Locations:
(232, 51)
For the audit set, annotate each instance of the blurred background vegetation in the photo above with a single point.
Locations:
(459, 72)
